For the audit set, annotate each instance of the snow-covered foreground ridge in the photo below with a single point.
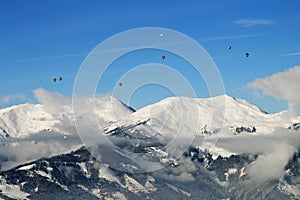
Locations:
(169, 115)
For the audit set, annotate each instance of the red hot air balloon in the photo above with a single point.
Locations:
(163, 57)
(120, 84)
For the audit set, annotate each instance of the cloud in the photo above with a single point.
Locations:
(293, 54)
(53, 101)
(89, 119)
(250, 22)
(230, 37)
(11, 97)
(17, 152)
(282, 86)
(274, 150)
(270, 166)
(182, 173)
(47, 58)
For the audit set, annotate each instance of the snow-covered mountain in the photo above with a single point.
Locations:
(207, 115)
(175, 117)
(77, 175)
(224, 142)
(23, 120)
(174, 114)
(213, 119)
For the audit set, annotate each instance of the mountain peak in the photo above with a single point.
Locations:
(185, 114)
(56, 114)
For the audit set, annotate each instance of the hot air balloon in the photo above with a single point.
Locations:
(163, 57)
(229, 47)
(161, 35)
(120, 84)
(54, 79)
(247, 55)
(60, 78)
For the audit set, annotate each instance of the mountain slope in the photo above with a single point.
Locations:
(190, 115)
(78, 175)
(175, 114)
(23, 120)
(137, 162)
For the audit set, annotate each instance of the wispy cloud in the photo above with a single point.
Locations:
(10, 97)
(46, 58)
(250, 22)
(293, 54)
(230, 37)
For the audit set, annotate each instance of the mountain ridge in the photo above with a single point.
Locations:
(220, 145)
(25, 119)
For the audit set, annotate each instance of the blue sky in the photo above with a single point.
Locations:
(45, 39)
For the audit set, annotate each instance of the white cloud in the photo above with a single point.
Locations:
(47, 58)
(229, 37)
(53, 101)
(274, 152)
(269, 166)
(282, 86)
(17, 152)
(182, 173)
(293, 54)
(10, 97)
(250, 22)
